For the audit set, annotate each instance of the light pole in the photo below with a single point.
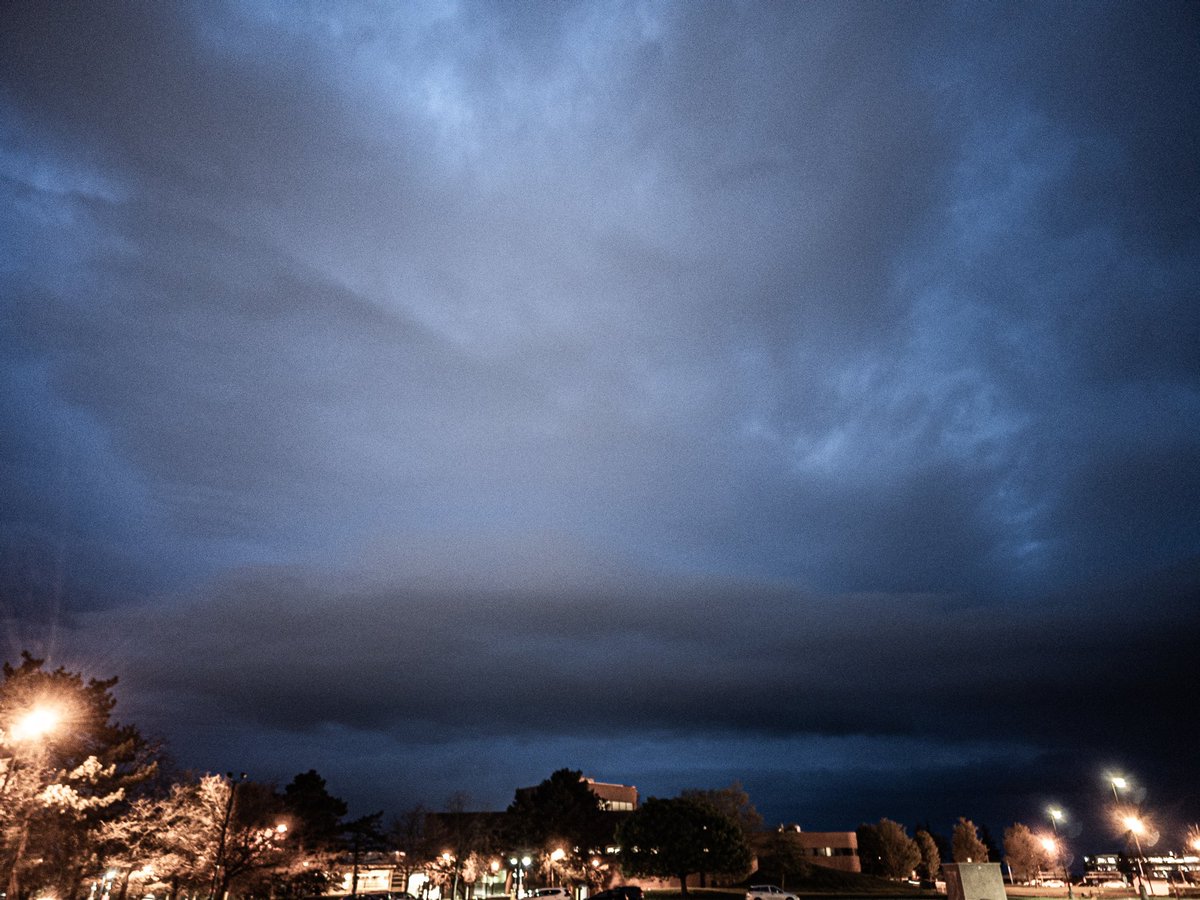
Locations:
(1137, 828)
(519, 866)
(31, 727)
(1117, 782)
(1056, 816)
(556, 856)
(1053, 848)
(219, 860)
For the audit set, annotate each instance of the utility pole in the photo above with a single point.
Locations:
(219, 862)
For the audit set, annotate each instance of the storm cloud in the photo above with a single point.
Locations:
(681, 392)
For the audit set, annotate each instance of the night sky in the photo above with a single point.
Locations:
(442, 394)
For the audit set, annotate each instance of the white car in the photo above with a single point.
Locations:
(768, 892)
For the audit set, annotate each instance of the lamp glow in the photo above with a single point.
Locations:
(37, 722)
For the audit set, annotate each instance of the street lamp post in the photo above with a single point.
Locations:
(32, 727)
(1117, 782)
(219, 860)
(1136, 828)
(556, 856)
(1053, 848)
(519, 866)
(1056, 816)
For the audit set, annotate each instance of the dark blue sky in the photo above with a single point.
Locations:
(442, 394)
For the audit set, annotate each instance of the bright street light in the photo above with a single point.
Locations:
(1052, 847)
(518, 869)
(1136, 827)
(32, 726)
(39, 721)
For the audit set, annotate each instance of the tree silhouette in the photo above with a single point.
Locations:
(678, 837)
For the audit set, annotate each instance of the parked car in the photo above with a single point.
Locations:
(625, 892)
(768, 892)
(551, 893)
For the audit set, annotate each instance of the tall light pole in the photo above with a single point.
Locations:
(556, 856)
(1057, 815)
(219, 860)
(519, 866)
(1137, 828)
(29, 729)
(1117, 782)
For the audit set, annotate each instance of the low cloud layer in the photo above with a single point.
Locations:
(669, 373)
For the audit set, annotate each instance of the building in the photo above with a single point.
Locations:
(1164, 867)
(614, 797)
(829, 849)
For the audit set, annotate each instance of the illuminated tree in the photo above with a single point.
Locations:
(679, 837)
(1024, 852)
(965, 843)
(931, 857)
(886, 850)
(170, 840)
(68, 768)
(205, 835)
